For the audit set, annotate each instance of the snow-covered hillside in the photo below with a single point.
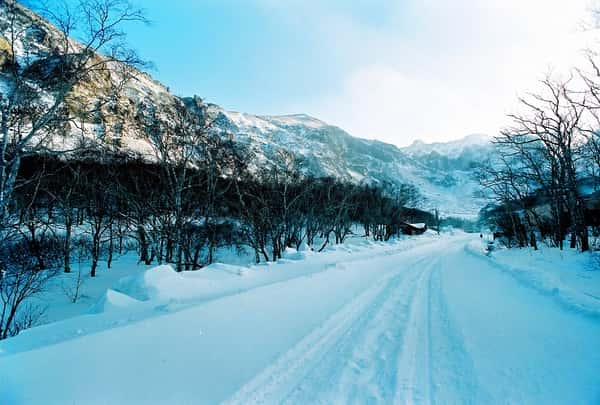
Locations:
(446, 180)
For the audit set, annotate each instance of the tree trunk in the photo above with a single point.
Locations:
(67, 244)
(110, 247)
(533, 241)
(95, 253)
(143, 243)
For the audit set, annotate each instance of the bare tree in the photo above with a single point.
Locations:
(546, 139)
(47, 75)
(81, 248)
(21, 280)
(65, 190)
(177, 135)
(591, 127)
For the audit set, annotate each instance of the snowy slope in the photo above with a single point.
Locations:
(446, 181)
(452, 149)
(377, 323)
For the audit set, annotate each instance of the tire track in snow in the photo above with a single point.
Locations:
(324, 366)
(453, 375)
(434, 366)
(414, 378)
(362, 368)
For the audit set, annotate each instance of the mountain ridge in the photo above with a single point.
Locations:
(321, 149)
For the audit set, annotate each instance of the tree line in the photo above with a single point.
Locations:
(545, 174)
(119, 203)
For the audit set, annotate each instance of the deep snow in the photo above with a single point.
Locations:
(422, 320)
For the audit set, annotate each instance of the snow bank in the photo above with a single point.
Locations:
(476, 248)
(148, 284)
(117, 297)
(216, 271)
(163, 283)
(114, 301)
(568, 276)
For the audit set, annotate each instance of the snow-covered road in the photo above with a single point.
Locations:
(433, 324)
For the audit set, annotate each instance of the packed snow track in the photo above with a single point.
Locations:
(437, 323)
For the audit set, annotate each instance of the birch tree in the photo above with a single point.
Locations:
(46, 75)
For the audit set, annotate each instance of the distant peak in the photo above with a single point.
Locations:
(465, 140)
(451, 148)
(417, 142)
(476, 138)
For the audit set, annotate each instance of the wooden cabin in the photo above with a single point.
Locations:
(413, 229)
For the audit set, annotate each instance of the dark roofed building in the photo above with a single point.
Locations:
(413, 229)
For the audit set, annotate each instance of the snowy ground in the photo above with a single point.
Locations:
(424, 320)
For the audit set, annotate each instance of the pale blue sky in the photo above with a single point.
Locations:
(395, 70)
(255, 56)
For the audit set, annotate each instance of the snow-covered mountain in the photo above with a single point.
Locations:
(443, 172)
(452, 149)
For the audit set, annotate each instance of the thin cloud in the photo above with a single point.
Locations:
(435, 70)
